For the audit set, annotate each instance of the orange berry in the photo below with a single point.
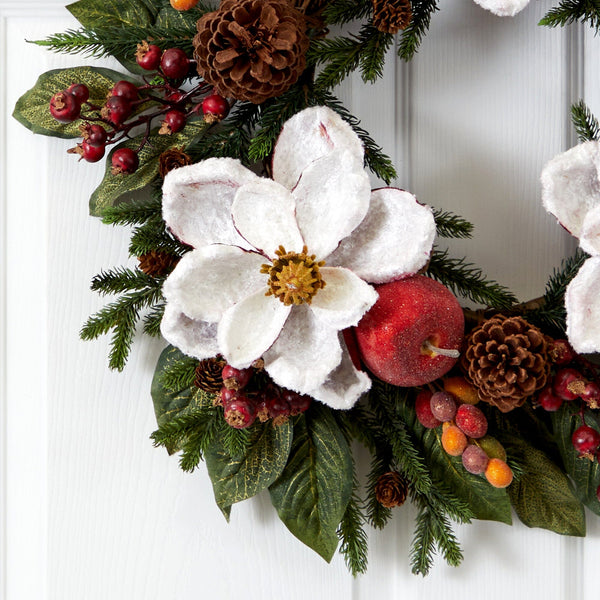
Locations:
(465, 392)
(454, 441)
(498, 473)
(183, 4)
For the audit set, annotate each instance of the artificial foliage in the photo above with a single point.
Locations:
(268, 64)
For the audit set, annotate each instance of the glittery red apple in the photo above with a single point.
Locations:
(413, 333)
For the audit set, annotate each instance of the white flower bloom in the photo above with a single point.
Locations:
(279, 267)
(503, 8)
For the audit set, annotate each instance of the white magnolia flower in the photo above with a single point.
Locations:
(571, 192)
(503, 8)
(280, 266)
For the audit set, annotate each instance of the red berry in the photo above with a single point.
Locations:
(591, 394)
(94, 135)
(174, 63)
(124, 160)
(598, 493)
(148, 56)
(568, 383)
(443, 406)
(215, 108)
(471, 421)
(548, 400)
(91, 153)
(585, 440)
(80, 91)
(227, 395)
(64, 107)
(561, 352)
(236, 379)
(474, 459)
(279, 410)
(298, 404)
(117, 109)
(174, 121)
(125, 89)
(175, 97)
(423, 410)
(240, 412)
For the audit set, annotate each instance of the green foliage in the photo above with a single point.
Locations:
(417, 28)
(585, 123)
(377, 514)
(112, 13)
(571, 11)
(121, 279)
(340, 12)
(153, 235)
(136, 212)
(179, 374)
(450, 225)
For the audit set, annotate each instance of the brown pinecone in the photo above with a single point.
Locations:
(251, 49)
(390, 16)
(208, 375)
(391, 489)
(172, 159)
(507, 361)
(156, 263)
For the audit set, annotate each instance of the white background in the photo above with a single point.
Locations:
(90, 510)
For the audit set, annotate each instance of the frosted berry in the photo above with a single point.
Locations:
(548, 400)
(183, 4)
(498, 473)
(214, 108)
(236, 379)
(585, 440)
(454, 440)
(463, 390)
(561, 352)
(174, 63)
(125, 89)
(443, 406)
(297, 403)
(94, 135)
(423, 410)
(474, 459)
(64, 107)
(124, 160)
(174, 122)
(591, 394)
(117, 110)
(80, 91)
(471, 421)
(568, 383)
(148, 56)
(240, 412)
(92, 153)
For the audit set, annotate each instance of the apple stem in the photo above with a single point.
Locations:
(443, 351)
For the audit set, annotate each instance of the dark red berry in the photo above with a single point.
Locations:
(548, 400)
(215, 108)
(471, 421)
(92, 153)
(240, 412)
(80, 91)
(279, 410)
(148, 56)
(125, 89)
(174, 97)
(174, 63)
(117, 109)
(474, 459)
(568, 383)
(227, 395)
(591, 394)
(94, 135)
(598, 493)
(585, 440)
(124, 160)
(174, 121)
(298, 404)
(561, 352)
(64, 107)
(443, 406)
(423, 410)
(236, 379)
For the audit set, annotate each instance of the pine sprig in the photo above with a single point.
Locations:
(236, 442)
(153, 319)
(377, 514)
(179, 375)
(571, 11)
(153, 235)
(340, 12)
(412, 36)
(585, 123)
(121, 279)
(468, 280)
(133, 213)
(449, 225)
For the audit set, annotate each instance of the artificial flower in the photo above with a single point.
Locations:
(503, 8)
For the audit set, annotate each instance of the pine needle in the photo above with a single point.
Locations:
(586, 125)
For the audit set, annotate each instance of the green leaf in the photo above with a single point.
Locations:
(543, 496)
(584, 473)
(32, 108)
(238, 478)
(111, 13)
(113, 188)
(314, 489)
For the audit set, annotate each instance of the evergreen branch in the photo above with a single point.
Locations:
(179, 375)
(586, 125)
(450, 225)
(375, 47)
(174, 431)
(153, 235)
(122, 279)
(377, 514)
(422, 10)
(422, 549)
(340, 12)
(133, 213)
(571, 11)
(153, 320)
(236, 442)
(467, 279)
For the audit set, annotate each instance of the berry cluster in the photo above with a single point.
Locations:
(464, 429)
(243, 402)
(159, 98)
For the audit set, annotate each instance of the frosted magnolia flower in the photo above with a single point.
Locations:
(503, 8)
(571, 192)
(280, 266)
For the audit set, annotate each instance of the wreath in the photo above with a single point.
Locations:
(304, 311)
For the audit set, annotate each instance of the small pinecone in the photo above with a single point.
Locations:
(391, 489)
(507, 361)
(390, 16)
(251, 49)
(157, 263)
(172, 159)
(208, 375)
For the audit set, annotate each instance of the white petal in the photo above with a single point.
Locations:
(332, 198)
(344, 299)
(207, 281)
(307, 136)
(503, 8)
(570, 185)
(582, 301)
(304, 353)
(344, 386)
(197, 201)
(249, 328)
(393, 241)
(263, 213)
(194, 338)
(590, 232)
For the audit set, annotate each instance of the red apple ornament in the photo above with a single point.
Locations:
(412, 334)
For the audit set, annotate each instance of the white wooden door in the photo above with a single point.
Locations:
(90, 510)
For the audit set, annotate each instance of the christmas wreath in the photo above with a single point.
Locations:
(304, 311)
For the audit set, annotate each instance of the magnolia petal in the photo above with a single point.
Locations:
(393, 241)
(344, 299)
(249, 328)
(307, 136)
(344, 386)
(332, 198)
(197, 201)
(503, 8)
(571, 186)
(263, 213)
(209, 280)
(582, 301)
(590, 232)
(194, 338)
(304, 353)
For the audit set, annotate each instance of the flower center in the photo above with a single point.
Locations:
(294, 277)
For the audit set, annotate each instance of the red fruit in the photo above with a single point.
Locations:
(125, 89)
(568, 383)
(585, 440)
(215, 108)
(124, 160)
(148, 56)
(598, 493)
(474, 459)
(297, 403)
(80, 91)
(443, 406)
(91, 153)
(423, 410)
(561, 352)
(174, 97)
(548, 400)
(240, 412)
(591, 395)
(174, 63)
(227, 395)
(117, 109)
(174, 121)
(471, 421)
(64, 107)
(279, 410)
(411, 313)
(94, 135)
(236, 379)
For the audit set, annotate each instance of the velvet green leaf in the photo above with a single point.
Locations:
(584, 473)
(114, 189)
(111, 13)
(314, 489)
(236, 478)
(543, 496)
(33, 108)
